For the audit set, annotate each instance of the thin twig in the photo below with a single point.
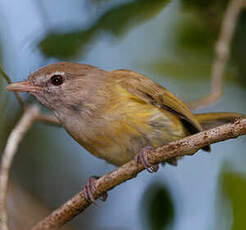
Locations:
(222, 52)
(186, 146)
(7, 157)
(5, 76)
(47, 118)
(7, 79)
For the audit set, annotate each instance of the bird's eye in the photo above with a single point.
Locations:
(56, 80)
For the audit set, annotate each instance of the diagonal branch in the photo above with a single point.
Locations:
(7, 157)
(48, 119)
(186, 146)
(222, 53)
(31, 114)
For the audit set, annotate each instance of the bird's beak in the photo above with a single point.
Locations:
(23, 86)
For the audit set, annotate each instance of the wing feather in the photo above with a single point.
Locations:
(155, 94)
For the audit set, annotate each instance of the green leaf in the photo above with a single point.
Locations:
(234, 187)
(117, 22)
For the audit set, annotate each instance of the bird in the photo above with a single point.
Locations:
(116, 115)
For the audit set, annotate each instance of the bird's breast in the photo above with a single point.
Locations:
(123, 129)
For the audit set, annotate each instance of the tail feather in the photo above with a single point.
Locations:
(212, 120)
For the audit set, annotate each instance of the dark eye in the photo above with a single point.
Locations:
(56, 80)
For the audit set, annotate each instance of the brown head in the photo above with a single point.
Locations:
(65, 87)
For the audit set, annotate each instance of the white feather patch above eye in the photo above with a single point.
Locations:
(56, 73)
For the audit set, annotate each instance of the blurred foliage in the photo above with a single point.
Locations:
(194, 37)
(196, 33)
(116, 22)
(210, 12)
(158, 207)
(28, 211)
(1, 94)
(234, 187)
(239, 49)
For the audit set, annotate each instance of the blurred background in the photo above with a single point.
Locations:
(171, 41)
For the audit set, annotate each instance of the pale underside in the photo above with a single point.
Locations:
(124, 129)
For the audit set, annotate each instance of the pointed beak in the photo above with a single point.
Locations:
(23, 86)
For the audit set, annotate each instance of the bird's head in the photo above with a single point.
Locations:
(63, 86)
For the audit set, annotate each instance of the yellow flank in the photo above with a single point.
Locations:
(127, 124)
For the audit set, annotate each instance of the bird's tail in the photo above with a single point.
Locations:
(212, 120)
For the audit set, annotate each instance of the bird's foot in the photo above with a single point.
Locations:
(89, 188)
(141, 157)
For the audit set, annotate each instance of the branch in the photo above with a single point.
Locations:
(14, 139)
(186, 146)
(31, 114)
(222, 52)
(47, 118)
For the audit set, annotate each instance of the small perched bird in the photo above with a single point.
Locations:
(116, 115)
